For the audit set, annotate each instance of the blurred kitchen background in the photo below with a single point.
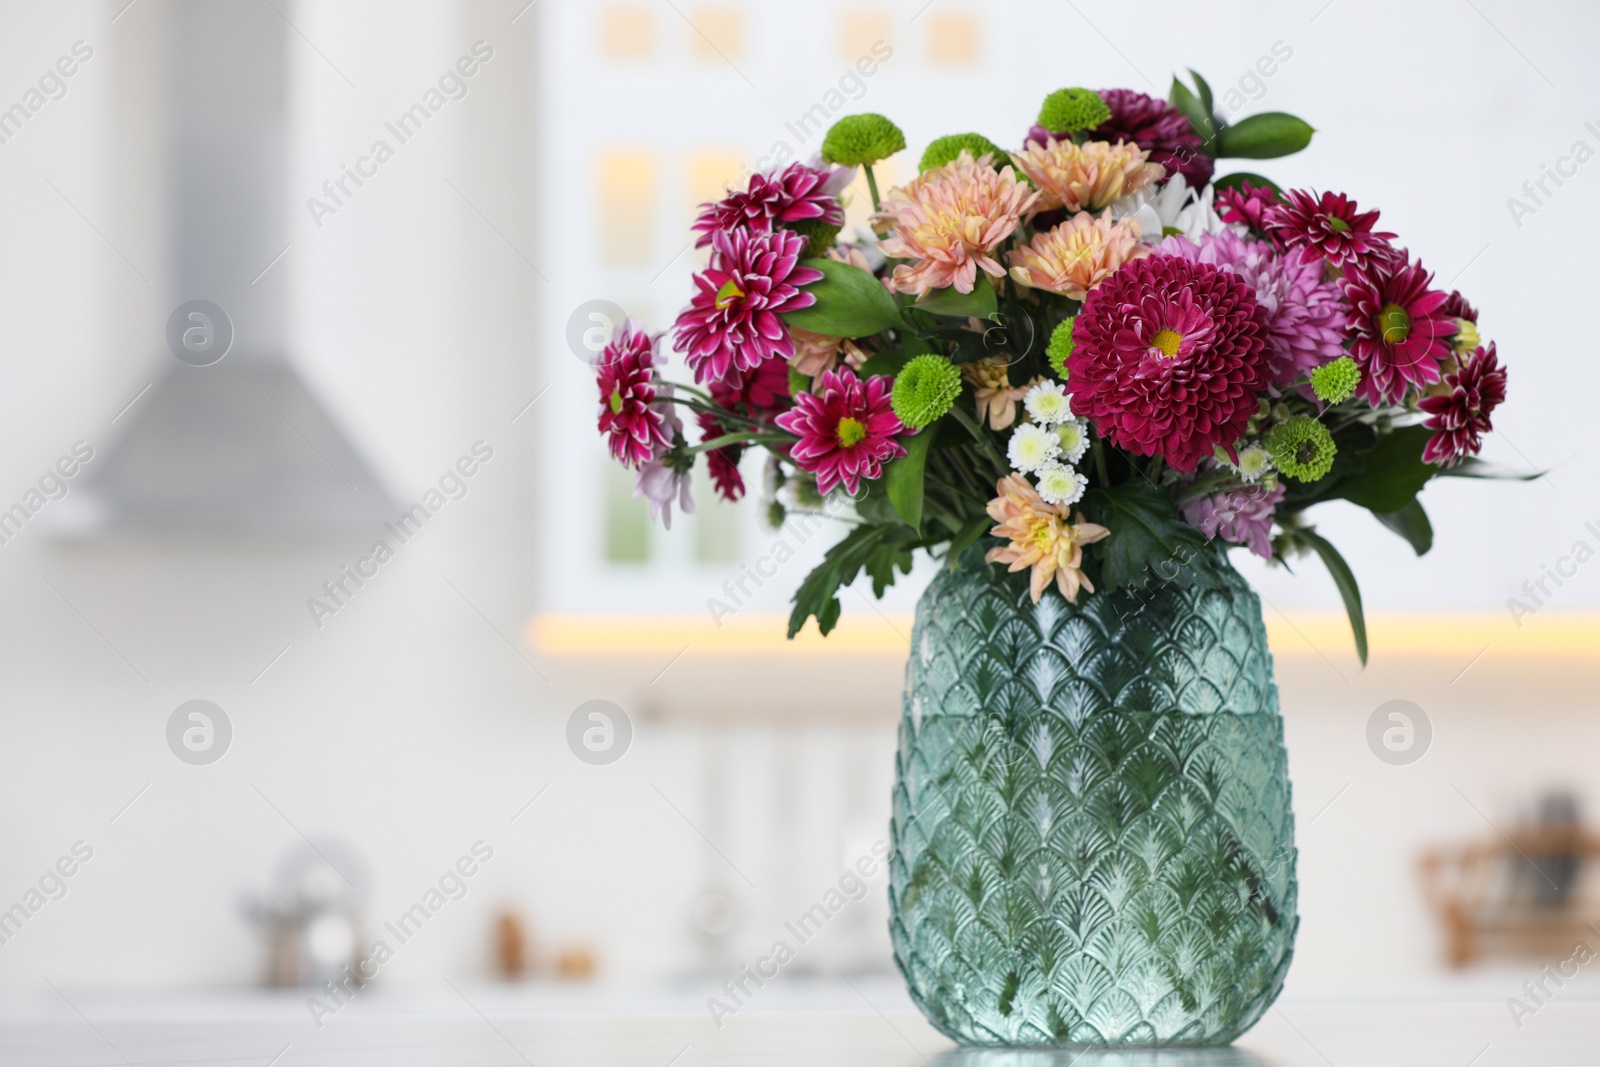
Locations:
(395, 330)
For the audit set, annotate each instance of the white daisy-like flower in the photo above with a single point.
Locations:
(1171, 209)
(1048, 402)
(1254, 461)
(1074, 437)
(1060, 484)
(1032, 447)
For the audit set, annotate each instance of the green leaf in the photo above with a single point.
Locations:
(1149, 538)
(1477, 468)
(903, 478)
(1198, 114)
(1233, 181)
(851, 302)
(978, 304)
(878, 549)
(1265, 136)
(890, 361)
(1204, 91)
(963, 540)
(1392, 472)
(1411, 523)
(1348, 590)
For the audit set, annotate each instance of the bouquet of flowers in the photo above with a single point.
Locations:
(1086, 347)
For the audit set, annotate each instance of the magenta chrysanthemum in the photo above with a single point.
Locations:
(1168, 356)
(1460, 417)
(1305, 313)
(1398, 328)
(760, 393)
(635, 429)
(1247, 204)
(731, 325)
(721, 463)
(793, 194)
(846, 427)
(1240, 516)
(1158, 127)
(1328, 226)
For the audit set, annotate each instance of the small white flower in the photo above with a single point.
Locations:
(1048, 403)
(1061, 485)
(1254, 461)
(1074, 437)
(1032, 447)
(1172, 208)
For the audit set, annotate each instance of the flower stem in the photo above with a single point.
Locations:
(741, 439)
(872, 185)
(1100, 462)
(984, 444)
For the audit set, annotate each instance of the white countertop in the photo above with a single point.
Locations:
(869, 1022)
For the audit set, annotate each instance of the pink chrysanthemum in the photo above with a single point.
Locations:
(1305, 313)
(846, 427)
(1158, 127)
(1398, 328)
(1168, 359)
(731, 325)
(1239, 516)
(795, 193)
(721, 463)
(760, 393)
(1460, 416)
(1247, 204)
(1328, 226)
(950, 224)
(1456, 307)
(1088, 176)
(635, 429)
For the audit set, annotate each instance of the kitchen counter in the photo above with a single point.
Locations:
(867, 1022)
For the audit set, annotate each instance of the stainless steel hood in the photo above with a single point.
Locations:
(244, 443)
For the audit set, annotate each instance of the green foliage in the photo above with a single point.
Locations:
(1411, 523)
(1392, 473)
(1345, 579)
(945, 149)
(819, 235)
(877, 549)
(1265, 136)
(904, 477)
(978, 304)
(1234, 181)
(1197, 111)
(861, 140)
(1150, 539)
(850, 302)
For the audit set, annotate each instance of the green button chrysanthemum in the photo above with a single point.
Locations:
(857, 140)
(1302, 448)
(924, 389)
(1336, 382)
(1060, 348)
(819, 235)
(947, 148)
(1070, 110)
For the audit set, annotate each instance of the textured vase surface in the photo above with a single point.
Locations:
(1092, 836)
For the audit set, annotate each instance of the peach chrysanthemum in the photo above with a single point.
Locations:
(949, 222)
(996, 397)
(1088, 176)
(1043, 537)
(1078, 255)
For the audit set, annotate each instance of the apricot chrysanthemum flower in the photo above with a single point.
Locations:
(1078, 255)
(1043, 536)
(949, 223)
(996, 398)
(1086, 176)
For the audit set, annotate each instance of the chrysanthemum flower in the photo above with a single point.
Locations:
(721, 463)
(1247, 205)
(1398, 330)
(666, 477)
(1305, 313)
(731, 325)
(949, 223)
(1042, 537)
(1074, 437)
(1085, 177)
(1031, 447)
(817, 352)
(1170, 355)
(925, 389)
(943, 150)
(1077, 255)
(1047, 403)
(847, 429)
(996, 398)
(1160, 129)
(1253, 463)
(1240, 516)
(1060, 347)
(759, 393)
(1302, 448)
(1334, 383)
(1069, 110)
(794, 194)
(1327, 226)
(635, 429)
(1060, 484)
(1460, 416)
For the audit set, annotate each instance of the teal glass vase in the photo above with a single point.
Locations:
(1093, 844)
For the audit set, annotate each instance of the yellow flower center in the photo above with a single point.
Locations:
(1395, 324)
(1042, 532)
(1166, 342)
(616, 402)
(729, 292)
(850, 432)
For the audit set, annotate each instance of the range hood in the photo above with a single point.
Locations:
(242, 444)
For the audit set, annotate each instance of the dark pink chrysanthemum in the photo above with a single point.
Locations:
(1456, 307)
(760, 393)
(1169, 357)
(795, 193)
(628, 416)
(1399, 333)
(1158, 127)
(846, 427)
(1460, 417)
(1328, 226)
(731, 325)
(1247, 204)
(721, 463)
